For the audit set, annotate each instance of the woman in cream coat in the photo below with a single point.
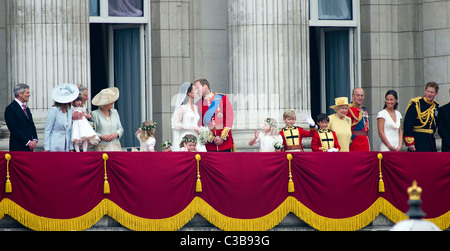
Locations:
(106, 120)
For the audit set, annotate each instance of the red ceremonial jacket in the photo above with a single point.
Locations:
(318, 146)
(360, 128)
(221, 122)
(293, 139)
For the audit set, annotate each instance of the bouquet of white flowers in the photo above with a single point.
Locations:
(205, 135)
(277, 145)
(166, 144)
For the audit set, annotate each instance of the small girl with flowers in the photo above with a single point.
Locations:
(189, 143)
(269, 140)
(146, 135)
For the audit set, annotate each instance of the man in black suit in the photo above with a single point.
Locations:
(23, 135)
(444, 126)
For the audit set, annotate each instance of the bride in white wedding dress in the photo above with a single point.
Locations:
(185, 117)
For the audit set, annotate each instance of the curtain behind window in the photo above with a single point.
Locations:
(127, 69)
(335, 10)
(126, 8)
(337, 65)
(94, 8)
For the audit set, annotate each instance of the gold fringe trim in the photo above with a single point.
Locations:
(198, 205)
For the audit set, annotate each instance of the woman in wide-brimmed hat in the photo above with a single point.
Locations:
(58, 127)
(341, 124)
(106, 120)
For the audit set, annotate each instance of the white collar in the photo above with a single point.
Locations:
(20, 102)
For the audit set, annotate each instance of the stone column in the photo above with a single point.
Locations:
(269, 59)
(48, 44)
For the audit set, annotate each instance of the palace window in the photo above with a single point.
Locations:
(335, 50)
(118, 11)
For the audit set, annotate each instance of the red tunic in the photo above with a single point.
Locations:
(360, 129)
(220, 124)
(319, 145)
(292, 140)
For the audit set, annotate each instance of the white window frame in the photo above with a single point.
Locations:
(105, 18)
(315, 21)
(146, 49)
(355, 44)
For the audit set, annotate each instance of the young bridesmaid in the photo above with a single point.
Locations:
(268, 137)
(146, 135)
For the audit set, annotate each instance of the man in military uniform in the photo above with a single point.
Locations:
(420, 121)
(217, 114)
(360, 122)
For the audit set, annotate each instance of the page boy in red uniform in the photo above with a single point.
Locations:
(292, 135)
(324, 140)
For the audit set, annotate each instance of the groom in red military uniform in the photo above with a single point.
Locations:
(217, 114)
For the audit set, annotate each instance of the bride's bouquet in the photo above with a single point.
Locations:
(205, 135)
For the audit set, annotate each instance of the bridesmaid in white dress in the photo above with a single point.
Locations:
(389, 126)
(185, 118)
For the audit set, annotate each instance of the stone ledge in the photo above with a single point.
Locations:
(198, 223)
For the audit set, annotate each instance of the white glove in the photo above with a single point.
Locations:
(333, 150)
(310, 120)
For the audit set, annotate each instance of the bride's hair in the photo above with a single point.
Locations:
(187, 92)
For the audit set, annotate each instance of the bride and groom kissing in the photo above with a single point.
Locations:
(196, 106)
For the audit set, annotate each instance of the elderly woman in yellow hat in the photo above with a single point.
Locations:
(341, 124)
(106, 120)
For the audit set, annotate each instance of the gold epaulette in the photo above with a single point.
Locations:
(411, 101)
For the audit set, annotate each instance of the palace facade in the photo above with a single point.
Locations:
(267, 55)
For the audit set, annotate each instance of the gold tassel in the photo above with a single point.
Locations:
(381, 188)
(291, 187)
(198, 185)
(8, 186)
(106, 188)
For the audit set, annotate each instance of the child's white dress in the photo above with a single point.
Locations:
(266, 142)
(82, 129)
(147, 146)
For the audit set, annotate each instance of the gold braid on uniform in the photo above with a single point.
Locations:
(425, 116)
(360, 116)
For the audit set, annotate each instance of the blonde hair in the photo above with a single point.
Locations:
(147, 130)
(273, 125)
(289, 114)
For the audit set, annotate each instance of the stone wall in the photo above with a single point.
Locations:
(198, 223)
(404, 45)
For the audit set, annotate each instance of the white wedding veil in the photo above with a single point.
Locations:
(180, 98)
(177, 101)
